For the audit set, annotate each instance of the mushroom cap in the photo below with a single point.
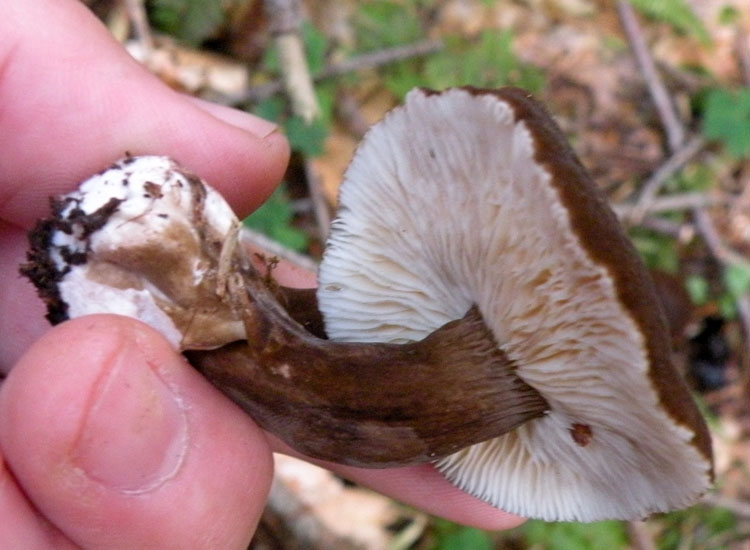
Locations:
(474, 197)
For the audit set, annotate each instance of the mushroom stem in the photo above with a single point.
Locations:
(302, 305)
(367, 405)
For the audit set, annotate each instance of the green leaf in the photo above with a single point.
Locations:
(308, 139)
(382, 23)
(729, 15)
(694, 177)
(464, 539)
(327, 93)
(192, 21)
(705, 524)
(451, 536)
(658, 251)
(737, 280)
(402, 77)
(698, 289)
(576, 536)
(274, 219)
(488, 62)
(316, 51)
(727, 118)
(316, 47)
(271, 109)
(727, 306)
(677, 13)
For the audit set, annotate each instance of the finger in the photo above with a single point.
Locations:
(74, 101)
(71, 102)
(425, 488)
(120, 444)
(22, 526)
(21, 312)
(422, 487)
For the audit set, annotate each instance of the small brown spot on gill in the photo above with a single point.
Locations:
(581, 434)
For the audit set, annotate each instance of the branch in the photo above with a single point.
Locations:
(723, 253)
(321, 208)
(285, 17)
(737, 507)
(683, 232)
(258, 242)
(659, 95)
(138, 18)
(742, 46)
(726, 257)
(640, 537)
(672, 165)
(669, 203)
(349, 113)
(365, 61)
(383, 57)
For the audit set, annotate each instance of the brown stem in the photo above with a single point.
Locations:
(302, 305)
(369, 405)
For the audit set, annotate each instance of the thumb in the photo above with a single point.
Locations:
(119, 443)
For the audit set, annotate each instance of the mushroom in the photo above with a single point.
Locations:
(484, 311)
(150, 240)
(473, 197)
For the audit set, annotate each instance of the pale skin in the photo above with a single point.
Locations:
(108, 439)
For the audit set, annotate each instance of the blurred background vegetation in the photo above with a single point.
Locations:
(677, 171)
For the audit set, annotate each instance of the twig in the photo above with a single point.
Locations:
(672, 165)
(383, 57)
(139, 20)
(687, 533)
(321, 209)
(349, 113)
(683, 232)
(743, 310)
(726, 256)
(285, 17)
(640, 538)
(687, 81)
(321, 513)
(406, 538)
(356, 63)
(669, 203)
(737, 507)
(672, 125)
(259, 240)
(742, 45)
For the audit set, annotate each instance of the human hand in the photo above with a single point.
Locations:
(107, 438)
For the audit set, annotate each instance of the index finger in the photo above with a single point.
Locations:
(73, 101)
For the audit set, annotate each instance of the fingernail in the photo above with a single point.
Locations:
(240, 119)
(134, 435)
